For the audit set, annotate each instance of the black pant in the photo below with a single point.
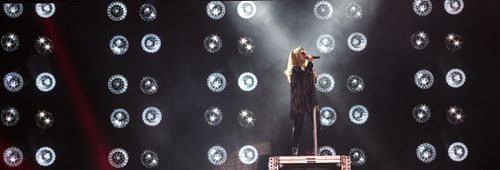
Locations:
(297, 127)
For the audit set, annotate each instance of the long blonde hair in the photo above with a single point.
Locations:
(293, 60)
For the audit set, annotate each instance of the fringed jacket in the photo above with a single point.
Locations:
(303, 91)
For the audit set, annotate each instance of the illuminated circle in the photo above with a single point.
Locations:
(419, 40)
(117, 11)
(151, 116)
(10, 116)
(118, 44)
(247, 81)
(424, 79)
(151, 43)
(327, 151)
(248, 154)
(147, 12)
(325, 43)
(421, 113)
(355, 84)
(245, 46)
(246, 9)
(10, 42)
(45, 10)
(149, 159)
(13, 157)
(119, 118)
(453, 42)
(457, 151)
(455, 115)
(422, 7)
(213, 116)
(358, 114)
(327, 116)
(357, 41)
(325, 82)
(117, 84)
(358, 157)
(216, 10)
(217, 155)
(246, 118)
(213, 43)
(118, 158)
(453, 7)
(323, 10)
(45, 82)
(13, 10)
(45, 156)
(44, 45)
(216, 82)
(44, 119)
(13, 82)
(353, 11)
(149, 85)
(426, 152)
(455, 78)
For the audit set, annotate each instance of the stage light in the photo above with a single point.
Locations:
(247, 81)
(118, 44)
(357, 41)
(421, 113)
(419, 40)
(455, 78)
(10, 42)
(213, 116)
(10, 116)
(355, 84)
(45, 10)
(426, 152)
(117, 11)
(216, 10)
(457, 151)
(325, 82)
(358, 114)
(424, 79)
(44, 45)
(358, 156)
(45, 156)
(453, 42)
(13, 82)
(248, 154)
(151, 43)
(149, 85)
(455, 115)
(246, 9)
(216, 82)
(217, 155)
(119, 118)
(453, 7)
(327, 151)
(422, 7)
(13, 157)
(328, 116)
(118, 158)
(117, 84)
(44, 119)
(245, 46)
(353, 11)
(246, 118)
(45, 82)
(147, 12)
(325, 43)
(151, 116)
(149, 159)
(13, 10)
(323, 10)
(212, 43)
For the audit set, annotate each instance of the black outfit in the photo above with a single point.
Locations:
(303, 99)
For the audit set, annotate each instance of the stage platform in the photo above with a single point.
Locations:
(341, 162)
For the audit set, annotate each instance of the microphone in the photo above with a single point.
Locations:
(314, 57)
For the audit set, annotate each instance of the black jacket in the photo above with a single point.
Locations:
(303, 91)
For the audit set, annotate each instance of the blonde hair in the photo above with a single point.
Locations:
(293, 60)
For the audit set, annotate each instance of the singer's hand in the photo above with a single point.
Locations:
(310, 58)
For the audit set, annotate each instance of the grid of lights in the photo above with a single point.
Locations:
(10, 42)
(355, 84)
(422, 7)
(118, 158)
(246, 9)
(216, 10)
(325, 43)
(119, 118)
(358, 156)
(419, 40)
(353, 11)
(325, 82)
(13, 10)
(151, 116)
(327, 151)
(357, 41)
(426, 152)
(10, 116)
(323, 10)
(327, 115)
(45, 82)
(247, 81)
(45, 10)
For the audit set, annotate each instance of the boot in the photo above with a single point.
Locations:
(295, 150)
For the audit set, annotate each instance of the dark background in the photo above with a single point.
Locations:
(82, 63)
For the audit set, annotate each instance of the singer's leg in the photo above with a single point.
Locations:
(297, 127)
